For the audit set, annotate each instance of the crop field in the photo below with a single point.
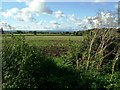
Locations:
(43, 40)
(52, 40)
(52, 45)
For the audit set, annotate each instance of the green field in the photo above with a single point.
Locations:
(52, 45)
(52, 40)
(48, 40)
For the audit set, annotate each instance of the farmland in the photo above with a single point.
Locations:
(51, 40)
(51, 44)
(43, 40)
(61, 61)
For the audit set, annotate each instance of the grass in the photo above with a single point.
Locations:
(51, 40)
(52, 45)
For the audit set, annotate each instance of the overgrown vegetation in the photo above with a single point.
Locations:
(94, 62)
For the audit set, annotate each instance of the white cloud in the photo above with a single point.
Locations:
(72, 18)
(36, 6)
(10, 13)
(21, 15)
(26, 14)
(102, 20)
(54, 24)
(5, 25)
(59, 14)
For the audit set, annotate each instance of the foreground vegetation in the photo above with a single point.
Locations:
(93, 62)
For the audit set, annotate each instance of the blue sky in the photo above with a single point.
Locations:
(51, 15)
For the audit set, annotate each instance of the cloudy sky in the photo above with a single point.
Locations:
(41, 15)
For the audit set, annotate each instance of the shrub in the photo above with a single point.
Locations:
(99, 56)
(23, 65)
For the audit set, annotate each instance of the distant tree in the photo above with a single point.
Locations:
(1, 30)
(78, 33)
(67, 32)
(34, 32)
(19, 32)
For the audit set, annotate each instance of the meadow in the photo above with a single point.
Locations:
(91, 61)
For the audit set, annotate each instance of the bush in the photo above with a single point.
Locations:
(98, 55)
(23, 65)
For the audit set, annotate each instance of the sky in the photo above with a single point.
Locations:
(41, 15)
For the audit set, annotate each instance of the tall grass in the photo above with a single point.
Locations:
(99, 55)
